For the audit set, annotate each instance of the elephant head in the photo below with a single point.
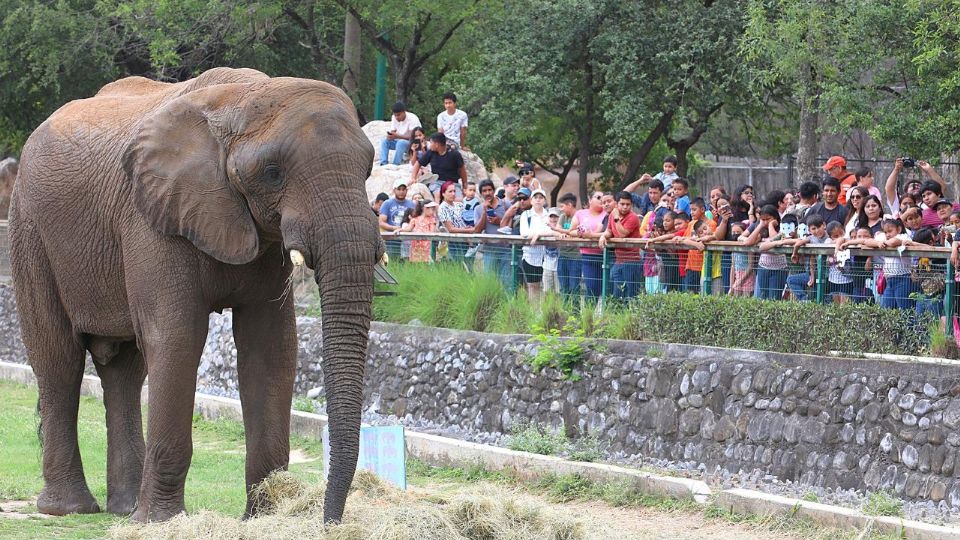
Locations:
(237, 167)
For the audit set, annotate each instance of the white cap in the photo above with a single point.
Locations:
(553, 212)
(399, 182)
(540, 191)
(431, 204)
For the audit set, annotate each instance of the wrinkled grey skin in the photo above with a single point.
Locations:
(138, 212)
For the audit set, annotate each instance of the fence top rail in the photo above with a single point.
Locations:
(720, 246)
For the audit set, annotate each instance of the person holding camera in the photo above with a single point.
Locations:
(402, 124)
(418, 144)
(912, 187)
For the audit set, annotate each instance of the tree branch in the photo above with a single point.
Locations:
(383, 45)
(638, 157)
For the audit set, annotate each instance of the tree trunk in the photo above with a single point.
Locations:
(638, 157)
(808, 142)
(585, 133)
(352, 48)
(561, 175)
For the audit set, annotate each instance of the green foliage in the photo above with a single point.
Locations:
(304, 404)
(537, 439)
(881, 503)
(810, 497)
(561, 349)
(584, 448)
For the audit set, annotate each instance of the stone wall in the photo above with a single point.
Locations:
(848, 423)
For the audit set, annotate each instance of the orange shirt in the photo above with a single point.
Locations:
(695, 257)
(845, 186)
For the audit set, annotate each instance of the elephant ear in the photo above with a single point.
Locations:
(177, 166)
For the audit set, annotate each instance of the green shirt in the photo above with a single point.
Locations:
(568, 252)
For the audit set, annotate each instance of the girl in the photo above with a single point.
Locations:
(742, 282)
(896, 268)
(534, 222)
(652, 262)
(669, 275)
(450, 216)
(771, 267)
(588, 223)
(865, 180)
(839, 282)
(912, 220)
(426, 222)
(861, 270)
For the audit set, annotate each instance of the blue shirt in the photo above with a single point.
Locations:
(643, 203)
(498, 211)
(683, 204)
(469, 206)
(394, 210)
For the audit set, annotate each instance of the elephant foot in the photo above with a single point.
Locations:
(143, 515)
(60, 501)
(123, 503)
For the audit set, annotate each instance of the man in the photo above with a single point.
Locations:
(392, 213)
(830, 208)
(932, 194)
(377, 203)
(569, 265)
(452, 122)
(488, 217)
(912, 187)
(650, 199)
(402, 124)
(446, 163)
(627, 273)
(609, 202)
(836, 167)
(518, 205)
(510, 187)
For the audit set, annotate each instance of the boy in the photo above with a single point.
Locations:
(799, 283)
(470, 202)
(452, 122)
(627, 273)
(670, 264)
(551, 257)
(694, 264)
(669, 173)
(681, 189)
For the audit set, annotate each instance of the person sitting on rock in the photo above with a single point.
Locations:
(446, 163)
(402, 124)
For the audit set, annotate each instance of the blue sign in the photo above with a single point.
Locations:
(382, 452)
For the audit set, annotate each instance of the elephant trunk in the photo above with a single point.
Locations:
(344, 274)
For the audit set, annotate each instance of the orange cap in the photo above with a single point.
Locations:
(834, 161)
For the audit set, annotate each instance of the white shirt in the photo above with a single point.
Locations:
(450, 124)
(404, 128)
(532, 223)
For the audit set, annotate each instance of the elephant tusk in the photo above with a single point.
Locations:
(296, 257)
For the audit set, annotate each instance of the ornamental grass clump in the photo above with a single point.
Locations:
(375, 511)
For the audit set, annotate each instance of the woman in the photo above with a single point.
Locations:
(906, 202)
(743, 206)
(855, 199)
(865, 180)
(450, 216)
(418, 144)
(896, 269)
(534, 222)
(588, 223)
(871, 214)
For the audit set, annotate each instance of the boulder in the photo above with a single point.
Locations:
(8, 174)
(382, 178)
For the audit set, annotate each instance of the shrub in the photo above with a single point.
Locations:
(537, 439)
(562, 350)
(881, 503)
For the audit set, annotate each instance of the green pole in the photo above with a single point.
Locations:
(605, 274)
(513, 267)
(707, 276)
(379, 105)
(821, 281)
(948, 299)
(433, 251)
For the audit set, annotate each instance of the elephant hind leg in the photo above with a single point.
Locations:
(122, 379)
(57, 358)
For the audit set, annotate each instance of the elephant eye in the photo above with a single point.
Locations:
(272, 175)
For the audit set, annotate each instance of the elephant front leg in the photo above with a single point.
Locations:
(122, 379)
(172, 358)
(266, 338)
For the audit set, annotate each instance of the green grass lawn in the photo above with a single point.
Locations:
(215, 481)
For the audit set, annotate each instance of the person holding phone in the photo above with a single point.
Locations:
(398, 137)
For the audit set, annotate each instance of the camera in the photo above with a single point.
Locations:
(908, 162)
(418, 142)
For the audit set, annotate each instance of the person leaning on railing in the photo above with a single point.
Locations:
(588, 223)
(450, 215)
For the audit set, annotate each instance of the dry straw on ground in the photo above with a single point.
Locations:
(375, 511)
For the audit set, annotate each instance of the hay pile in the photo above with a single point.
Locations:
(375, 511)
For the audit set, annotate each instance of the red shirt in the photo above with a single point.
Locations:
(631, 223)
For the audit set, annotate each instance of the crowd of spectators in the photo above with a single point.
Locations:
(845, 209)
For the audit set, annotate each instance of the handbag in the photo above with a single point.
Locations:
(881, 283)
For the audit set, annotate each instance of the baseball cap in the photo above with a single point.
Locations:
(524, 192)
(511, 180)
(538, 192)
(553, 212)
(399, 182)
(834, 161)
(942, 202)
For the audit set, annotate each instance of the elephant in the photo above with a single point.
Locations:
(141, 210)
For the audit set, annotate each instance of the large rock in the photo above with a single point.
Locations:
(382, 178)
(8, 174)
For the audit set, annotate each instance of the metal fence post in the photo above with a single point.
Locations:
(948, 307)
(605, 274)
(514, 272)
(821, 282)
(706, 277)
(433, 251)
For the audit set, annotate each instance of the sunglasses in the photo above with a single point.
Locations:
(598, 197)
(522, 198)
(856, 196)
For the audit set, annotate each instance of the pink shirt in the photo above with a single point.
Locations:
(590, 222)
